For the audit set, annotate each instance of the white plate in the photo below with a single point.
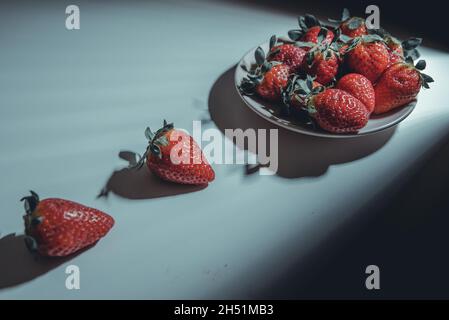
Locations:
(271, 111)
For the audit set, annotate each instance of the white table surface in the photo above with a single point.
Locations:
(71, 100)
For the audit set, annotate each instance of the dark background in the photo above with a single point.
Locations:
(424, 19)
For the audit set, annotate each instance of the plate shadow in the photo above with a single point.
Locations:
(299, 155)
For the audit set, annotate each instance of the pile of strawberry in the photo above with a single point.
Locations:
(339, 76)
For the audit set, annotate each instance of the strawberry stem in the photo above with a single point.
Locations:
(30, 202)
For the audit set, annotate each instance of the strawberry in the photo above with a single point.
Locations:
(174, 156)
(273, 81)
(334, 110)
(399, 85)
(324, 67)
(58, 227)
(288, 54)
(401, 50)
(266, 78)
(396, 53)
(293, 91)
(312, 35)
(368, 56)
(351, 26)
(322, 61)
(309, 29)
(359, 87)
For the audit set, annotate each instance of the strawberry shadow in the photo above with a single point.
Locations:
(299, 155)
(18, 265)
(139, 184)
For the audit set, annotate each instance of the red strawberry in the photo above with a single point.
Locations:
(334, 110)
(401, 50)
(359, 87)
(273, 81)
(312, 35)
(368, 56)
(321, 63)
(289, 54)
(57, 227)
(399, 85)
(309, 29)
(338, 111)
(395, 50)
(354, 27)
(174, 156)
(267, 79)
(351, 26)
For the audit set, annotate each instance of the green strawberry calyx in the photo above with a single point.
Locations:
(369, 38)
(326, 49)
(409, 46)
(419, 67)
(31, 219)
(155, 141)
(351, 22)
(256, 73)
(303, 91)
(305, 22)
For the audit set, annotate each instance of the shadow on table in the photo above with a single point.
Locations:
(299, 155)
(140, 183)
(403, 231)
(18, 265)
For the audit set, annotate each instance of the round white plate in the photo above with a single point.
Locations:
(271, 112)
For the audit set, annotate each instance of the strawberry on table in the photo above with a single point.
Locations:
(368, 56)
(359, 87)
(267, 78)
(286, 53)
(174, 156)
(399, 85)
(58, 227)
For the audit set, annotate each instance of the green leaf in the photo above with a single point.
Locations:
(322, 35)
(427, 78)
(311, 21)
(260, 56)
(421, 65)
(302, 44)
(295, 34)
(302, 23)
(414, 54)
(345, 15)
(344, 38)
(411, 43)
(309, 58)
(273, 41)
(355, 23)
(149, 134)
(309, 82)
(155, 150)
